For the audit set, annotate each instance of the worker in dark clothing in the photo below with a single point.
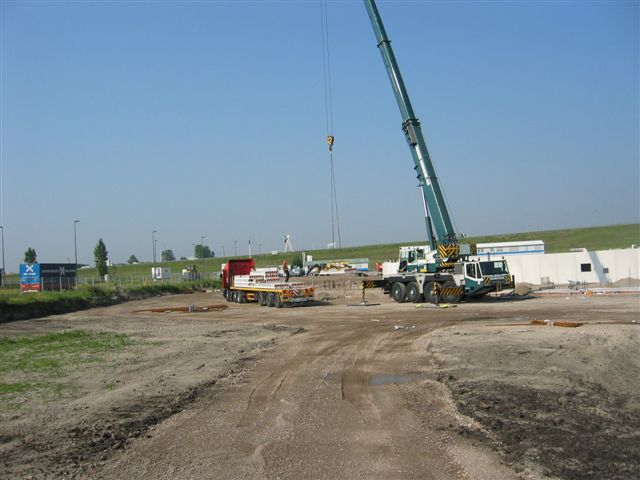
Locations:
(285, 270)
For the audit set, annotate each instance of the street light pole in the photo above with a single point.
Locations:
(202, 251)
(223, 254)
(153, 239)
(3, 267)
(75, 242)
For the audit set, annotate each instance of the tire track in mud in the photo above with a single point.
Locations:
(309, 409)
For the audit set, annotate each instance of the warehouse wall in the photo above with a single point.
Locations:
(607, 266)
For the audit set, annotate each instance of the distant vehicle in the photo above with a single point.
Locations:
(242, 282)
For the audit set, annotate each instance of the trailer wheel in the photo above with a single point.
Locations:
(277, 301)
(449, 297)
(258, 298)
(413, 293)
(264, 297)
(242, 297)
(271, 299)
(429, 294)
(399, 292)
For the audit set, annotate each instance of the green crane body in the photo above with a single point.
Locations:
(446, 272)
(436, 214)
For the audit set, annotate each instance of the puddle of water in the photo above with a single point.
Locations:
(386, 379)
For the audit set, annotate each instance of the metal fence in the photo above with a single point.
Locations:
(123, 281)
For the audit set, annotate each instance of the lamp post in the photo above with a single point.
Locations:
(235, 248)
(202, 251)
(153, 239)
(75, 242)
(259, 249)
(223, 254)
(3, 267)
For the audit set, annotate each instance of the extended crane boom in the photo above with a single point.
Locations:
(444, 270)
(433, 200)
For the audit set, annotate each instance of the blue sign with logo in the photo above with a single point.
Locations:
(30, 277)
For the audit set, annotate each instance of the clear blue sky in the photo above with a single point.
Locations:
(207, 118)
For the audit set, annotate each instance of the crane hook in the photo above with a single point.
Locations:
(330, 142)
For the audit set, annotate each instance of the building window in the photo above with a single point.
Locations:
(585, 267)
(605, 270)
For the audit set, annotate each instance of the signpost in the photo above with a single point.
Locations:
(29, 277)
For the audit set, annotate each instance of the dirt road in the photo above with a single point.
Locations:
(385, 391)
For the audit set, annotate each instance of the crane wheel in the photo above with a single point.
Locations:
(451, 293)
(413, 293)
(399, 292)
(429, 294)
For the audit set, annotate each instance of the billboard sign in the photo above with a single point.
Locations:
(29, 277)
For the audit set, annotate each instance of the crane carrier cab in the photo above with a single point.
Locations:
(418, 276)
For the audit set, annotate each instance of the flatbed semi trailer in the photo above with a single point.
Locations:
(242, 282)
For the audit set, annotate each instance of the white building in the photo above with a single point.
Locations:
(508, 249)
(602, 267)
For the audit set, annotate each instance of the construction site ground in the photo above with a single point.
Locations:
(338, 390)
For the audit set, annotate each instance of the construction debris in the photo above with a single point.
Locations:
(186, 309)
(554, 323)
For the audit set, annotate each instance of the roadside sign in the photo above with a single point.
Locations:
(29, 277)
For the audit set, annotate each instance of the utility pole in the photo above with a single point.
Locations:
(153, 239)
(202, 250)
(75, 242)
(3, 267)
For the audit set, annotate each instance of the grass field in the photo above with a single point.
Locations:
(41, 364)
(17, 306)
(556, 241)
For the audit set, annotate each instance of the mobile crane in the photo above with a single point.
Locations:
(443, 270)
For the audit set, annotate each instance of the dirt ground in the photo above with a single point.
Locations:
(337, 390)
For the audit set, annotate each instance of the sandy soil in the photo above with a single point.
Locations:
(340, 391)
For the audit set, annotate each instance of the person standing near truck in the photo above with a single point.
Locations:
(285, 270)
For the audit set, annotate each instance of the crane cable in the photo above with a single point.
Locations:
(328, 105)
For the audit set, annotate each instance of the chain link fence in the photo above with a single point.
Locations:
(122, 281)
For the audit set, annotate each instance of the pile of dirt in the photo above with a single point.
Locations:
(522, 290)
(627, 282)
(581, 432)
(556, 402)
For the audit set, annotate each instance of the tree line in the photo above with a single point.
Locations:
(101, 256)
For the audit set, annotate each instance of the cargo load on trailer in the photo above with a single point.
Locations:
(242, 282)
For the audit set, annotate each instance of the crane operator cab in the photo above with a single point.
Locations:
(413, 258)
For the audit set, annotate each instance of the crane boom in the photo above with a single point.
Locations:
(433, 199)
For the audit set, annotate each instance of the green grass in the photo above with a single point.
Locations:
(40, 363)
(12, 297)
(592, 238)
(17, 306)
(556, 241)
